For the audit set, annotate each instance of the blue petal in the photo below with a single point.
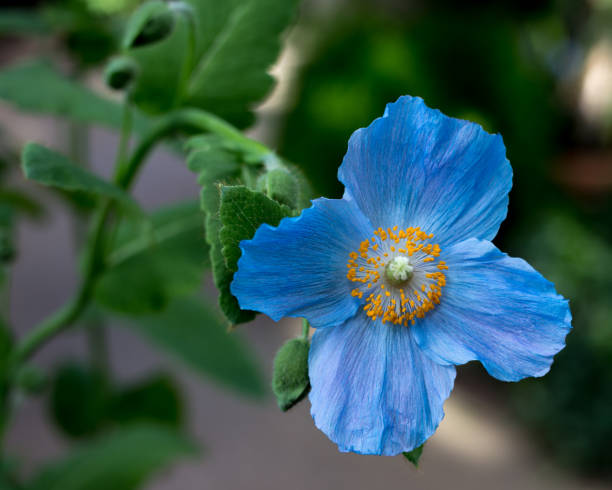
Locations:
(417, 167)
(495, 309)
(373, 390)
(299, 268)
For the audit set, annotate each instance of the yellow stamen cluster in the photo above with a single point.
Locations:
(393, 302)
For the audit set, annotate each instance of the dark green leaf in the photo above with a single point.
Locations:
(150, 265)
(194, 333)
(216, 164)
(290, 381)
(415, 455)
(157, 399)
(238, 41)
(21, 202)
(242, 211)
(122, 460)
(79, 400)
(53, 169)
(21, 86)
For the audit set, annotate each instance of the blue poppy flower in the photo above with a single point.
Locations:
(401, 281)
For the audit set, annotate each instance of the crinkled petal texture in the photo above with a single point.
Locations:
(299, 267)
(498, 310)
(417, 167)
(373, 390)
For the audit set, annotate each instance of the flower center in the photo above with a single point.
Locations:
(400, 272)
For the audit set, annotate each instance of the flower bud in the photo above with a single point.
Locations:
(290, 381)
(120, 72)
(151, 23)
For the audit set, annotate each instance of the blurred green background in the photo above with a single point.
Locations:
(538, 72)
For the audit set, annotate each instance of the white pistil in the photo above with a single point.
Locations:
(399, 270)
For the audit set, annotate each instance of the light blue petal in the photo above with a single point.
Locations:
(417, 167)
(299, 268)
(495, 309)
(373, 390)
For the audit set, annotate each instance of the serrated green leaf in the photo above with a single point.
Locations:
(21, 86)
(53, 169)
(156, 399)
(193, 332)
(216, 164)
(151, 264)
(221, 274)
(237, 41)
(122, 460)
(414, 456)
(242, 211)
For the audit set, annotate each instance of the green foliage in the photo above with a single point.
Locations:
(414, 456)
(226, 73)
(53, 169)
(21, 86)
(194, 333)
(242, 211)
(122, 460)
(280, 185)
(215, 163)
(156, 399)
(152, 263)
(7, 246)
(233, 214)
(79, 399)
(22, 22)
(290, 382)
(435, 53)
(569, 407)
(150, 23)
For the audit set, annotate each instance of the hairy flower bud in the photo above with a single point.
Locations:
(290, 381)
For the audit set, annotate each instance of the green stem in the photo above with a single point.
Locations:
(305, 329)
(183, 120)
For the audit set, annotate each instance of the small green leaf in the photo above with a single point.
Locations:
(242, 211)
(290, 381)
(121, 460)
(21, 85)
(194, 333)
(79, 399)
(52, 169)
(415, 455)
(157, 399)
(148, 266)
